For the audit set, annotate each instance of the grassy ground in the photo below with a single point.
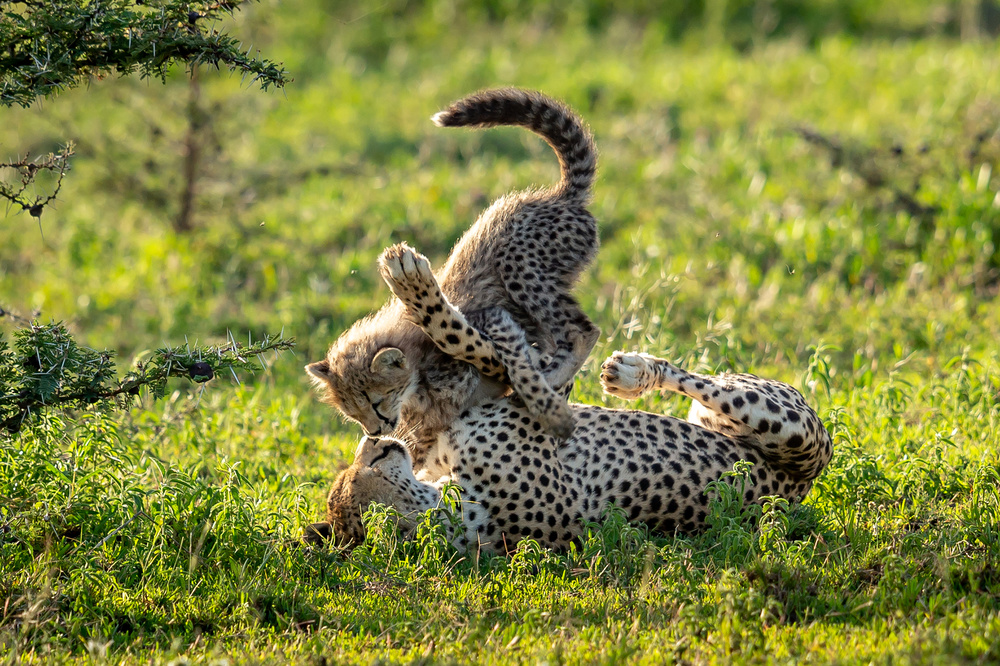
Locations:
(818, 208)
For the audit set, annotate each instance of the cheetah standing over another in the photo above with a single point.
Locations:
(518, 481)
(514, 270)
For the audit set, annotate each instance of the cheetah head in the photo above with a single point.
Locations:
(382, 472)
(367, 379)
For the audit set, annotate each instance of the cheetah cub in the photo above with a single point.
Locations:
(514, 269)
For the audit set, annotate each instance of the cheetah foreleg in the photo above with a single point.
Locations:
(409, 276)
(770, 413)
(520, 360)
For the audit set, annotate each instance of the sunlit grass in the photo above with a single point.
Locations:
(729, 243)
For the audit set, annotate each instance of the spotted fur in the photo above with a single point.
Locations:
(519, 482)
(522, 256)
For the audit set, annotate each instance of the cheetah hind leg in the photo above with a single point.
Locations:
(770, 414)
(409, 276)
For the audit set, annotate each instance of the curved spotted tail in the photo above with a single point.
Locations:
(553, 121)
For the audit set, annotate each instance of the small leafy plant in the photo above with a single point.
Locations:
(47, 369)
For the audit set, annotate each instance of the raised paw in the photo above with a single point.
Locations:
(409, 276)
(627, 375)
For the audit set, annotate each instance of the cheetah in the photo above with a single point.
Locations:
(516, 267)
(520, 482)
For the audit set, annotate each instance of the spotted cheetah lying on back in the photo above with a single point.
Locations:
(518, 482)
(514, 269)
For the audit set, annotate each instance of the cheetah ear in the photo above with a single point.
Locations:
(319, 370)
(389, 360)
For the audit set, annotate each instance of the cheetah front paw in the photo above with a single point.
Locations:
(627, 375)
(409, 276)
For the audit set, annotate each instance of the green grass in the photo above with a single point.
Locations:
(729, 242)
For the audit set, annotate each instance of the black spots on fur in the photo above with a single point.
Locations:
(792, 416)
(525, 486)
(672, 506)
(738, 402)
(763, 426)
(794, 442)
(772, 406)
(753, 397)
(725, 408)
(685, 491)
(776, 427)
(452, 339)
